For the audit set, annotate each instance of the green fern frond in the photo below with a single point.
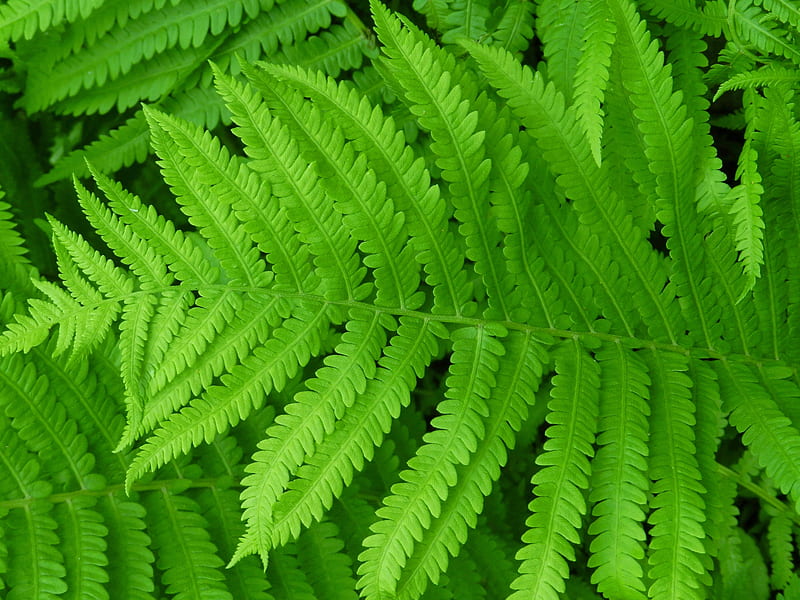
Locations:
(421, 496)
(765, 76)
(676, 552)
(619, 475)
(558, 487)
(23, 18)
(514, 29)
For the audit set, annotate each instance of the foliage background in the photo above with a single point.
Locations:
(49, 518)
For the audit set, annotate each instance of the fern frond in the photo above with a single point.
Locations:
(84, 547)
(676, 552)
(781, 549)
(558, 487)
(710, 19)
(619, 475)
(24, 18)
(466, 18)
(514, 29)
(763, 77)
(541, 110)
(407, 182)
(305, 423)
(561, 27)
(130, 560)
(518, 378)
(441, 107)
(765, 430)
(344, 451)
(367, 212)
(268, 369)
(320, 551)
(591, 73)
(191, 567)
(757, 27)
(236, 185)
(421, 496)
(276, 155)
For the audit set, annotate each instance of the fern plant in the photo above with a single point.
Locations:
(370, 352)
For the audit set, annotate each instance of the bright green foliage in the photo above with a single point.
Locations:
(393, 329)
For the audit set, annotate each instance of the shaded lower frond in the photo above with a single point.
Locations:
(558, 487)
(768, 433)
(188, 559)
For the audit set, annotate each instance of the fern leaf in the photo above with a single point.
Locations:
(277, 157)
(130, 560)
(420, 497)
(765, 76)
(757, 27)
(710, 19)
(84, 548)
(110, 279)
(558, 505)
(143, 261)
(331, 466)
(442, 108)
(24, 18)
(44, 424)
(561, 25)
(781, 548)
(305, 423)
(619, 475)
(765, 430)
(407, 182)
(320, 551)
(745, 198)
(518, 378)
(677, 569)
(541, 110)
(236, 185)
(666, 133)
(222, 407)
(179, 252)
(37, 568)
(466, 18)
(591, 74)
(514, 30)
(190, 567)
(367, 212)
(214, 220)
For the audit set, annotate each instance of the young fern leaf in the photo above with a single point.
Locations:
(558, 487)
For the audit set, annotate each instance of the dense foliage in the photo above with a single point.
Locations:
(470, 299)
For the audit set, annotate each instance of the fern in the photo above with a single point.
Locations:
(382, 304)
